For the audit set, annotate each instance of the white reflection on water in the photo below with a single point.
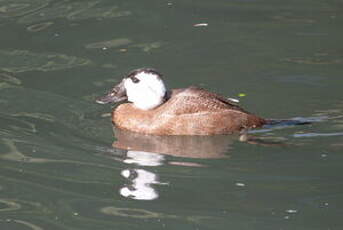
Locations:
(150, 151)
(140, 187)
(141, 180)
(144, 158)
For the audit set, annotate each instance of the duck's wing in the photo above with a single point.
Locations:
(197, 100)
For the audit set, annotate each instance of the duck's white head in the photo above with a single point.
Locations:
(143, 87)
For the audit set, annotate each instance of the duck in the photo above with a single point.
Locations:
(154, 110)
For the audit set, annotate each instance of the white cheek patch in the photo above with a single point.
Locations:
(132, 90)
(146, 94)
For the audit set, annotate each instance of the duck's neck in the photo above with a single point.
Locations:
(167, 95)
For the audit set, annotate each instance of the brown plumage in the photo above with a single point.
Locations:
(190, 111)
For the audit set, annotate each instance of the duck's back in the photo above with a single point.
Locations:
(194, 100)
(190, 111)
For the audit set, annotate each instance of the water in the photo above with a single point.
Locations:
(59, 169)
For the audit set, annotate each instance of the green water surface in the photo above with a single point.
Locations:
(59, 170)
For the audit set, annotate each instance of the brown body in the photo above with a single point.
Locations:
(190, 111)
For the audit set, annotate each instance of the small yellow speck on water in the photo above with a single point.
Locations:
(241, 95)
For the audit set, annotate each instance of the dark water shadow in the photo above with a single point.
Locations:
(204, 147)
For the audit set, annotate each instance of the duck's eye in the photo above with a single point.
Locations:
(134, 79)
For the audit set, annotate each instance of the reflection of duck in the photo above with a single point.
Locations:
(190, 111)
(181, 146)
(140, 187)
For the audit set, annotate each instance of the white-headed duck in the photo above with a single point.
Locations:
(152, 109)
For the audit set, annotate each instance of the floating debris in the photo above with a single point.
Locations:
(240, 184)
(200, 25)
(292, 211)
(241, 95)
